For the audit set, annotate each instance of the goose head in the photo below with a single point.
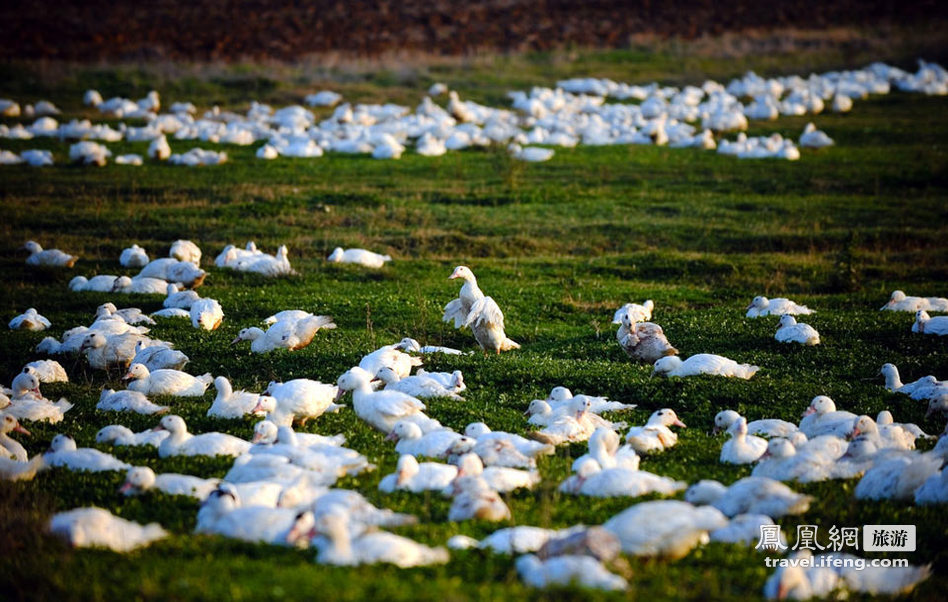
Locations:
(559, 394)
(265, 432)
(723, 420)
(667, 365)
(137, 372)
(9, 424)
(173, 424)
(779, 447)
(470, 465)
(62, 443)
(738, 428)
(863, 425)
(939, 404)
(538, 407)
(353, 379)
(406, 468)
(820, 405)
(665, 417)
(387, 375)
(705, 492)
(787, 320)
(404, 431)
(265, 405)
(884, 417)
(896, 297)
(121, 283)
(464, 273)
(247, 334)
(24, 383)
(138, 479)
(93, 341)
(409, 344)
(32, 246)
(336, 255)
(476, 429)
(112, 433)
(759, 302)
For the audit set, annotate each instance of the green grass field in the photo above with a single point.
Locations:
(559, 245)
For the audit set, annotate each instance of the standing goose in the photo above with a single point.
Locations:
(487, 323)
(458, 309)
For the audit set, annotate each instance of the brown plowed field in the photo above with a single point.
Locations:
(288, 30)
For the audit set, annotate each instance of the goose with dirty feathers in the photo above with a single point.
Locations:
(48, 257)
(343, 548)
(29, 320)
(475, 500)
(899, 301)
(98, 528)
(790, 331)
(206, 314)
(14, 470)
(487, 323)
(925, 324)
(382, 409)
(703, 363)
(762, 306)
(644, 341)
(64, 453)
(359, 257)
(750, 495)
(182, 443)
(166, 382)
(635, 311)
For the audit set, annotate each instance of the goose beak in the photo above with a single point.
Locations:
(680, 423)
(715, 430)
(526, 412)
(158, 428)
(809, 410)
(257, 409)
(855, 432)
(127, 376)
(125, 487)
(391, 436)
(256, 438)
(235, 341)
(339, 394)
(766, 454)
(20, 429)
(748, 307)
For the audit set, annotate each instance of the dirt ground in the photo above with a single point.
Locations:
(287, 30)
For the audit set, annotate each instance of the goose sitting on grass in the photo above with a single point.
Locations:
(166, 382)
(358, 256)
(49, 257)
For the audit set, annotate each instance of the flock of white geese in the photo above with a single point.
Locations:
(280, 488)
(575, 112)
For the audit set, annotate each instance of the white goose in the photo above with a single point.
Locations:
(410, 475)
(140, 479)
(435, 444)
(750, 495)
(789, 331)
(9, 447)
(341, 548)
(487, 323)
(498, 478)
(584, 571)
(703, 363)
(29, 320)
(180, 299)
(422, 386)
(166, 382)
(655, 436)
(49, 257)
(95, 527)
(458, 309)
(822, 418)
(229, 403)
(127, 401)
(814, 138)
(47, 371)
(899, 301)
(116, 434)
(741, 448)
(159, 357)
(767, 427)
(359, 257)
(667, 528)
(925, 324)
(762, 306)
(382, 409)
(560, 396)
(594, 481)
(391, 356)
(185, 250)
(206, 314)
(300, 399)
(133, 257)
(927, 387)
(637, 312)
(183, 443)
(604, 449)
(223, 513)
(140, 286)
(483, 434)
(63, 452)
